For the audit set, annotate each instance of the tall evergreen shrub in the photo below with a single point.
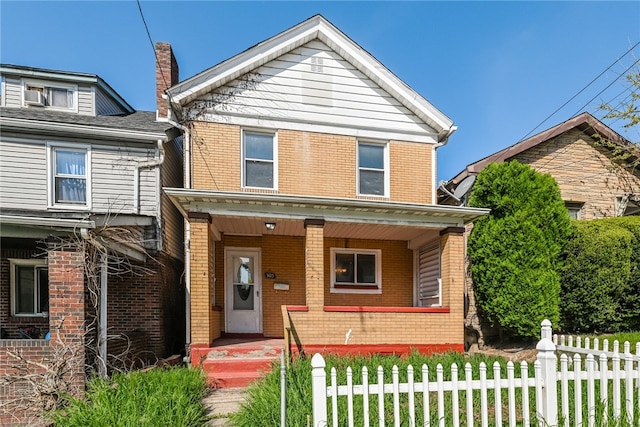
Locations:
(601, 276)
(515, 250)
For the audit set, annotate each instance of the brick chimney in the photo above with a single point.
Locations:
(166, 76)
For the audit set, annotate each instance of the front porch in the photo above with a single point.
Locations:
(345, 276)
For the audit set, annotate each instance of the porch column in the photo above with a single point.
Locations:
(201, 278)
(67, 312)
(314, 263)
(452, 272)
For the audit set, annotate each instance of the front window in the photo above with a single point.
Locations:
(29, 287)
(69, 167)
(259, 153)
(356, 270)
(372, 169)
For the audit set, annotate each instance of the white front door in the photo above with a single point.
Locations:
(243, 303)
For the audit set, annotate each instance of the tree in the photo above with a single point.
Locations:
(626, 153)
(515, 251)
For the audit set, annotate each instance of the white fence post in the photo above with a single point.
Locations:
(319, 390)
(548, 413)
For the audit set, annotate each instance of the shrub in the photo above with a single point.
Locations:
(515, 250)
(601, 276)
(159, 397)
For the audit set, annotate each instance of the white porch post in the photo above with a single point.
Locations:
(548, 413)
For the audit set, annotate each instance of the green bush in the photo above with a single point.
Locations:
(601, 276)
(159, 397)
(515, 250)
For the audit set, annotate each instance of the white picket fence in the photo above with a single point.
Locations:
(554, 390)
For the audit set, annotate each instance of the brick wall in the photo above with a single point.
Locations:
(66, 321)
(583, 172)
(151, 302)
(309, 164)
(285, 256)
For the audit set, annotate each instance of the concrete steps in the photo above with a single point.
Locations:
(236, 362)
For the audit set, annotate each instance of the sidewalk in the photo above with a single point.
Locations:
(222, 402)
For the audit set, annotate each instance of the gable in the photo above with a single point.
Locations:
(319, 41)
(312, 85)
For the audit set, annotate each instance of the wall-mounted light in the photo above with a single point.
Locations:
(270, 226)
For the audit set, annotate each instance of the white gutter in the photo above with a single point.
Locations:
(186, 143)
(46, 222)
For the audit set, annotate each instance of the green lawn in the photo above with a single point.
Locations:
(263, 404)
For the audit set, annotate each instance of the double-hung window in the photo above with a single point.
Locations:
(61, 97)
(356, 270)
(259, 160)
(69, 180)
(373, 170)
(29, 287)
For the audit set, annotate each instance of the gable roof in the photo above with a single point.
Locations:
(139, 125)
(65, 76)
(316, 27)
(584, 122)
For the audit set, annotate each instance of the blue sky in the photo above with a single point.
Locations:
(498, 69)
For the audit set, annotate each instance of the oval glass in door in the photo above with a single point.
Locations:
(243, 283)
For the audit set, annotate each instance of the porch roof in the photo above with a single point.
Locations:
(332, 210)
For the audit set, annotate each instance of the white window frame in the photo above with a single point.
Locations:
(44, 85)
(51, 171)
(386, 169)
(274, 162)
(355, 288)
(35, 263)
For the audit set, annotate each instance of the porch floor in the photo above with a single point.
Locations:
(237, 362)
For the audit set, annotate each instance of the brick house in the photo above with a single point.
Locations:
(310, 200)
(591, 183)
(78, 164)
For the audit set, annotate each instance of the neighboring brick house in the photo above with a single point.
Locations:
(78, 163)
(309, 196)
(593, 185)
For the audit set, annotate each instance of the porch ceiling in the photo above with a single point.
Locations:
(246, 213)
(286, 227)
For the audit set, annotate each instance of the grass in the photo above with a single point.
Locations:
(263, 398)
(159, 397)
(621, 337)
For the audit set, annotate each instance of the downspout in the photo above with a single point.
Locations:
(102, 313)
(186, 142)
(443, 139)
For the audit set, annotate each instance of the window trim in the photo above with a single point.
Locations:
(386, 169)
(51, 170)
(339, 288)
(13, 263)
(43, 84)
(243, 161)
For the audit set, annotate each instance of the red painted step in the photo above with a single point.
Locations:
(237, 362)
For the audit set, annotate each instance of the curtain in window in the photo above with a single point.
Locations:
(71, 184)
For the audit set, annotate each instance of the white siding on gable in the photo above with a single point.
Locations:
(85, 101)
(311, 84)
(12, 92)
(105, 105)
(23, 175)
